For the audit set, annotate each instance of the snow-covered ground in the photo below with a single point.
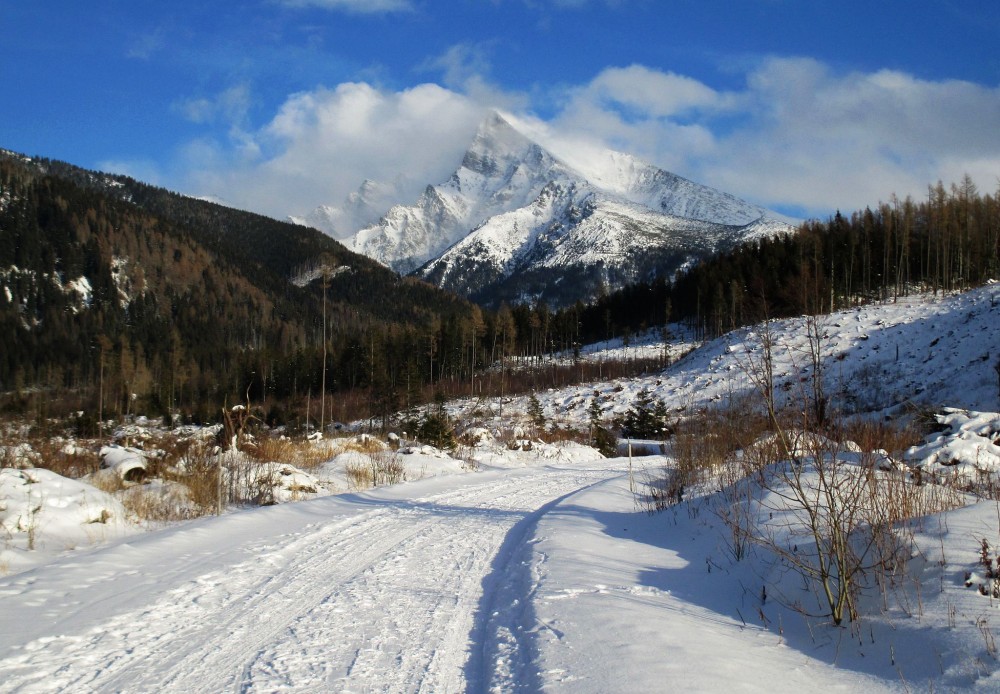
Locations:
(920, 352)
(517, 579)
(533, 570)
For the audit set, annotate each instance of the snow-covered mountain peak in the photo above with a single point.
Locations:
(360, 208)
(503, 167)
(368, 192)
(502, 170)
(497, 144)
(512, 207)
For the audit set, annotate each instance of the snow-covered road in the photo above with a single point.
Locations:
(404, 589)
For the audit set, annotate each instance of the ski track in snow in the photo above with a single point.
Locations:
(404, 596)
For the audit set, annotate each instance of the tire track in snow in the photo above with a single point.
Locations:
(203, 623)
(415, 634)
(406, 617)
(504, 652)
(385, 600)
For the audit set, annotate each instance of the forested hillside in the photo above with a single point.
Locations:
(109, 288)
(950, 241)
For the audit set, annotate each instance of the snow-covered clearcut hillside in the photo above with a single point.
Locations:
(921, 352)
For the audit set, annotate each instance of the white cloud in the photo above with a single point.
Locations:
(648, 93)
(459, 65)
(795, 136)
(823, 141)
(465, 68)
(322, 144)
(354, 6)
(230, 106)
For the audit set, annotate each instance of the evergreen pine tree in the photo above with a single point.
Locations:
(601, 438)
(535, 411)
(647, 418)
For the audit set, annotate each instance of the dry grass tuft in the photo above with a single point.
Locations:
(361, 444)
(704, 449)
(558, 434)
(198, 470)
(107, 481)
(380, 468)
(305, 455)
(886, 436)
(161, 504)
(55, 454)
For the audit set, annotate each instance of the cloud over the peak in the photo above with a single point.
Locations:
(650, 93)
(796, 135)
(323, 143)
(846, 141)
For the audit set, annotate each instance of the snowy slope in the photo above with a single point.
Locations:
(513, 209)
(359, 209)
(642, 183)
(922, 351)
(541, 571)
(638, 610)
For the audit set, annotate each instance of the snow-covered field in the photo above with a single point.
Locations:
(920, 352)
(531, 570)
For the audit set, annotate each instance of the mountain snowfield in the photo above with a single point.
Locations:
(539, 570)
(360, 209)
(517, 222)
(502, 171)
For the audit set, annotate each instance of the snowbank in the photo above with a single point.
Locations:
(43, 514)
(967, 449)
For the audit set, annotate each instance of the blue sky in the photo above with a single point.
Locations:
(805, 106)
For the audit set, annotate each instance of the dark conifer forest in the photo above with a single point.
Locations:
(948, 242)
(117, 297)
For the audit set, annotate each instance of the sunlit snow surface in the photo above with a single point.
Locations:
(920, 351)
(538, 571)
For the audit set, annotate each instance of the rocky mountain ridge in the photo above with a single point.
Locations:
(515, 222)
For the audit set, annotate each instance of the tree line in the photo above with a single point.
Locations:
(188, 304)
(946, 242)
(117, 298)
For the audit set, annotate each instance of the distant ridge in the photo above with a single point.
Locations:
(517, 223)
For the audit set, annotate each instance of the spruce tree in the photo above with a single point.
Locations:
(601, 438)
(647, 418)
(535, 412)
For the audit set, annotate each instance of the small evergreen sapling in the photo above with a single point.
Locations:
(647, 418)
(436, 428)
(600, 437)
(535, 412)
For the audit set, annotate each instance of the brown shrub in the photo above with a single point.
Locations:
(892, 437)
(381, 467)
(303, 454)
